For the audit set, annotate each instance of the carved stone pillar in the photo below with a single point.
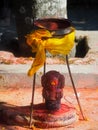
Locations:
(51, 9)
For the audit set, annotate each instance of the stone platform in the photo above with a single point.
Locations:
(41, 117)
(83, 75)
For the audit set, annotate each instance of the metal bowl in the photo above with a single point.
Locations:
(58, 26)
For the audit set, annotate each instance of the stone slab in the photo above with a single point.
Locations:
(16, 75)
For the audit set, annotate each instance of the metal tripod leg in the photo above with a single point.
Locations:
(44, 71)
(32, 101)
(74, 88)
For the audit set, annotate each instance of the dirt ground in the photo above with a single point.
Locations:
(88, 98)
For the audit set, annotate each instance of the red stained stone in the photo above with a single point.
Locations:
(46, 118)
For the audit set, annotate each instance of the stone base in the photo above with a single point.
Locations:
(44, 118)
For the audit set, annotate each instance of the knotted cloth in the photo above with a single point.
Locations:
(42, 39)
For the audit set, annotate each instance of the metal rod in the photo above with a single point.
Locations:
(32, 100)
(44, 65)
(44, 71)
(75, 91)
(44, 68)
(34, 79)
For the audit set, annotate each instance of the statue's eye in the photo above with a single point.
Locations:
(54, 82)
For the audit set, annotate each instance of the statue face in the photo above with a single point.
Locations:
(53, 83)
(51, 89)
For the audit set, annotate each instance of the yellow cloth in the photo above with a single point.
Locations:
(41, 40)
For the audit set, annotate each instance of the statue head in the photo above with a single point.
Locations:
(53, 83)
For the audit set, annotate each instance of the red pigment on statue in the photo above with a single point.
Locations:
(45, 118)
(41, 108)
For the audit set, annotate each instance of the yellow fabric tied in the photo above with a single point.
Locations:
(41, 40)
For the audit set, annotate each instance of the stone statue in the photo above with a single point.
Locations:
(53, 83)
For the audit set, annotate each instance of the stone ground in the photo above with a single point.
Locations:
(88, 98)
